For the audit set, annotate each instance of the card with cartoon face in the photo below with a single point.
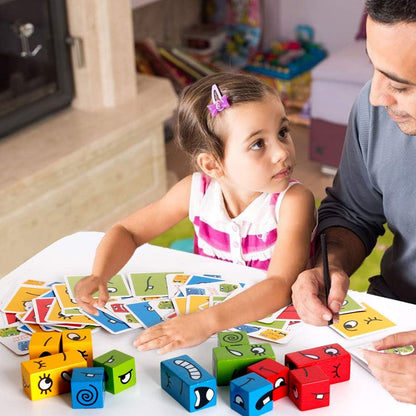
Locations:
(361, 323)
(117, 286)
(148, 284)
(21, 299)
(109, 321)
(350, 305)
(144, 313)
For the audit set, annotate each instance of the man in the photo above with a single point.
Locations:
(375, 184)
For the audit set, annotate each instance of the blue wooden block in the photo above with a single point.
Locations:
(251, 395)
(87, 388)
(188, 383)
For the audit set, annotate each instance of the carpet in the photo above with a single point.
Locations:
(180, 237)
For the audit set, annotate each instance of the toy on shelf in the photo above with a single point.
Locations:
(188, 383)
(287, 65)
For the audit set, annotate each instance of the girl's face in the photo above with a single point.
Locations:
(259, 153)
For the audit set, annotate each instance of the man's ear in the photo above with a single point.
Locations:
(209, 165)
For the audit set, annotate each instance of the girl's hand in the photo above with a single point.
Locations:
(84, 290)
(180, 332)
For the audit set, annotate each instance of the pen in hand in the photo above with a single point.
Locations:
(327, 278)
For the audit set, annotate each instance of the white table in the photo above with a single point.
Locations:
(74, 254)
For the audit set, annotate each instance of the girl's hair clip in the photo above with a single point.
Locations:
(219, 103)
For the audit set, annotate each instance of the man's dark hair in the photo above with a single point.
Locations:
(391, 11)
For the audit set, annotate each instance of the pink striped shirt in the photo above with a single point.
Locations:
(247, 239)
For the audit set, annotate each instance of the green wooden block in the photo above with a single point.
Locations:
(230, 362)
(228, 338)
(120, 370)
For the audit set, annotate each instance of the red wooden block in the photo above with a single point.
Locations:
(276, 373)
(332, 359)
(309, 387)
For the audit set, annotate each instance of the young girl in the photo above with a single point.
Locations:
(243, 203)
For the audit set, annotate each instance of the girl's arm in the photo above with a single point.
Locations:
(290, 257)
(122, 239)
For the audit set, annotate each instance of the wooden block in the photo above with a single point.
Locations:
(119, 368)
(188, 383)
(87, 388)
(43, 344)
(229, 338)
(251, 395)
(79, 340)
(309, 387)
(232, 362)
(51, 375)
(334, 360)
(276, 373)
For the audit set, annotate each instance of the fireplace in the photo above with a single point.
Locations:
(35, 65)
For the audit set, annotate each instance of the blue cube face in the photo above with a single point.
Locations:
(251, 394)
(188, 383)
(87, 387)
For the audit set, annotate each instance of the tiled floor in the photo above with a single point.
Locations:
(307, 171)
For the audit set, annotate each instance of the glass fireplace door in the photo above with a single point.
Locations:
(35, 67)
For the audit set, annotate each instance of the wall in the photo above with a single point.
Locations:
(335, 22)
(164, 20)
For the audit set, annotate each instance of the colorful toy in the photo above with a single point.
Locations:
(231, 361)
(43, 344)
(334, 360)
(276, 373)
(309, 387)
(87, 388)
(251, 395)
(231, 338)
(119, 368)
(188, 383)
(51, 375)
(78, 340)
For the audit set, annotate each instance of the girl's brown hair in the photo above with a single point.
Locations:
(195, 129)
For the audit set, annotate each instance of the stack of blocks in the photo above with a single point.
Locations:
(256, 379)
(63, 362)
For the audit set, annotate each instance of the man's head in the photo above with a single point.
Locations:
(391, 47)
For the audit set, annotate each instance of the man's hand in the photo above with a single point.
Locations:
(308, 295)
(396, 373)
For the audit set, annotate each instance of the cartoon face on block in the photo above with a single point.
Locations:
(309, 388)
(51, 375)
(251, 394)
(275, 373)
(120, 370)
(78, 340)
(188, 383)
(334, 360)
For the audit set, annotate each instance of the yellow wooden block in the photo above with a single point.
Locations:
(78, 340)
(44, 343)
(51, 375)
